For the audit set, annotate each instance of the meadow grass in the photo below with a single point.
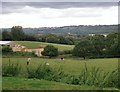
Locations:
(69, 65)
(72, 66)
(36, 84)
(34, 45)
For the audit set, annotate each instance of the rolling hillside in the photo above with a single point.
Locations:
(33, 45)
(74, 30)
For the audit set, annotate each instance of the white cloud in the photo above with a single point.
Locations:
(49, 17)
(60, 0)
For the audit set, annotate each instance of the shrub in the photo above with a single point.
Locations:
(26, 54)
(50, 51)
(11, 70)
(44, 71)
(19, 54)
(6, 49)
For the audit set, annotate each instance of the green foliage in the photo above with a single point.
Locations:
(98, 46)
(6, 36)
(19, 54)
(86, 73)
(11, 70)
(6, 49)
(50, 51)
(44, 71)
(94, 77)
(98, 42)
(17, 33)
(113, 45)
(54, 38)
(26, 54)
(83, 48)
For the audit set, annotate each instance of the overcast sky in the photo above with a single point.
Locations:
(55, 14)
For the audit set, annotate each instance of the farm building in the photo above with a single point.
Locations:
(19, 48)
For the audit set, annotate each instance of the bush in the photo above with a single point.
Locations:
(11, 70)
(94, 77)
(6, 49)
(44, 71)
(50, 51)
(26, 54)
(19, 54)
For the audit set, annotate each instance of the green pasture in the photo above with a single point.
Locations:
(15, 83)
(69, 65)
(33, 45)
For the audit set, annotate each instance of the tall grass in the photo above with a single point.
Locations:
(92, 77)
(95, 77)
(44, 71)
(11, 69)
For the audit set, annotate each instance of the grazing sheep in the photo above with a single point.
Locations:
(62, 58)
(29, 59)
(47, 64)
(27, 63)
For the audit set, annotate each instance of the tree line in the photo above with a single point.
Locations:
(17, 34)
(88, 46)
(96, 46)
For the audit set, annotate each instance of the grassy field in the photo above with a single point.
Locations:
(33, 45)
(35, 84)
(69, 65)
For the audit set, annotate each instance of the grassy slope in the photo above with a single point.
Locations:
(70, 65)
(33, 45)
(13, 83)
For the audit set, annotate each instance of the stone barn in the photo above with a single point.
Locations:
(19, 48)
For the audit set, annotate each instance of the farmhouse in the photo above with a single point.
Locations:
(19, 48)
(37, 51)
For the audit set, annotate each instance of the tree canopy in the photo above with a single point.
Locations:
(50, 51)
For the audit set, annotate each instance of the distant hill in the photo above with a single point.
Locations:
(74, 30)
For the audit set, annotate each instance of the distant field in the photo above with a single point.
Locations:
(69, 65)
(33, 45)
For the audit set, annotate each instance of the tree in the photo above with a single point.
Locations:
(98, 42)
(83, 48)
(62, 40)
(52, 38)
(17, 33)
(113, 45)
(6, 36)
(50, 51)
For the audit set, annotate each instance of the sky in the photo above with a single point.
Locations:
(56, 14)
